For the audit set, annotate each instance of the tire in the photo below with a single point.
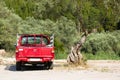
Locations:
(50, 65)
(18, 66)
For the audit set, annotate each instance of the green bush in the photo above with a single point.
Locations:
(8, 27)
(99, 43)
(61, 55)
(63, 29)
(101, 56)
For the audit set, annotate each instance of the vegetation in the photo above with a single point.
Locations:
(104, 45)
(66, 19)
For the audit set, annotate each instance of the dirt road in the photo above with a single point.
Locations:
(96, 70)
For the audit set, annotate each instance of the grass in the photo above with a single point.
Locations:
(61, 56)
(89, 56)
(9, 54)
(102, 56)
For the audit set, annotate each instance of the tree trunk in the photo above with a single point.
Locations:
(75, 57)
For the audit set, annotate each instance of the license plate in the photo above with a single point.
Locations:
(34, 59)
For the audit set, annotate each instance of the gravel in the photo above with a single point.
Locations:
(96, 70)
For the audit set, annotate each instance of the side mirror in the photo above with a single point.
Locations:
(15, 44)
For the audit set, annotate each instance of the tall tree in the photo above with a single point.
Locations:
(85, 21)
(24, 8)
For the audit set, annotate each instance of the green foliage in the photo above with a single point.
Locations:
(102, 56)
(8, 27)
(103, 15)
(24, 8)
(88, 12)
(99, 44)
(64, 31)
(61, 55)
(62, 18)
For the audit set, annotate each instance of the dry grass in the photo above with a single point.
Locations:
(9, 54)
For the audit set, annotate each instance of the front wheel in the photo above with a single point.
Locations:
(18, 66)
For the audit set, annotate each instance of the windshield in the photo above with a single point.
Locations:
(34, 40)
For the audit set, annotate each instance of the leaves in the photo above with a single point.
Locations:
(61, 17)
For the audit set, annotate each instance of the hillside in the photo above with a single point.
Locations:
(63, 18)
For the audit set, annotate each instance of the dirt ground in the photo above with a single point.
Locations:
(95, 70)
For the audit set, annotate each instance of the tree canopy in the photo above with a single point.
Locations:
(64, 18)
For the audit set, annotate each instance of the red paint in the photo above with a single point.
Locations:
(34, 47)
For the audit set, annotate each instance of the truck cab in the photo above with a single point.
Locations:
(34, 49)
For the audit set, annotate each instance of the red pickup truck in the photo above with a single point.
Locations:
(34, 49)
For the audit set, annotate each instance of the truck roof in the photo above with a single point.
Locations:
(34, 35)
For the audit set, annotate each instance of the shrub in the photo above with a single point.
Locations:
(105, 42)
